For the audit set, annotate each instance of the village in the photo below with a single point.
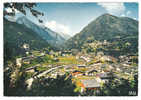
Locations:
(86, 70)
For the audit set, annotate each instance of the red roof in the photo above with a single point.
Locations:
(76, 73)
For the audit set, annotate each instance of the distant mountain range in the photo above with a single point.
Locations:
(65, 36)
(106, 27)
(53, 38)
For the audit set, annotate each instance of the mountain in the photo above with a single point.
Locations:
(66, 36)
(50, 36)
(106, 27)
(15, 35)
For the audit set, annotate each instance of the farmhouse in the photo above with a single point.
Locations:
(19, 62)
(91, 72)
(91, 84)
(103, 75)
(64, 53)
(87, 59)
(76, 73)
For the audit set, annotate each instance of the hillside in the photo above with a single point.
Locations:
(15, 35)
(116, 30)
(47, 34)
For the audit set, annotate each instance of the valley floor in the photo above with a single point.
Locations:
(83, 74)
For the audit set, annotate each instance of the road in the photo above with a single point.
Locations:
(48, 71)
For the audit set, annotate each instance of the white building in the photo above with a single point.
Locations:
(19, 62)
(26, 46)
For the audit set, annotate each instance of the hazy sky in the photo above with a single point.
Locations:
(71, 18)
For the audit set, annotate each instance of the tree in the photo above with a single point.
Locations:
(44, 87)
(115, 87)
(21, 7)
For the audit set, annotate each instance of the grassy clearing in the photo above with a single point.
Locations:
(42, 68)
(68, 60)
(85, 77)
(36, 53)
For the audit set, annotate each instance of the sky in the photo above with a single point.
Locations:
(71, 18)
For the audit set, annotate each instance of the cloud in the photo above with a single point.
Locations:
(113, 8)
(57, 27)
(135, 18)
(128, 13)
(123, 15)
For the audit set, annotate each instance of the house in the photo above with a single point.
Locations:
(56, 59)
(118, 69)
(100, 53)
(76, 73)
(110, 67)
(103, 75)
(105, 58)
(87, 59)
(25, 46)
(90, 84)
(108, 59)
(91, 72)
(26, 61)
(64, 53)
(42, 54)
(77, 57)
(105, 42)
(51, 52)
(30, 71)
(29, 83)
(126, 65)
(19, 62)
(54, 75)
(96, 66)
(27, 53)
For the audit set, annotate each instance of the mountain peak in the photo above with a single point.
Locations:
(105, 27)
(107, 16)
